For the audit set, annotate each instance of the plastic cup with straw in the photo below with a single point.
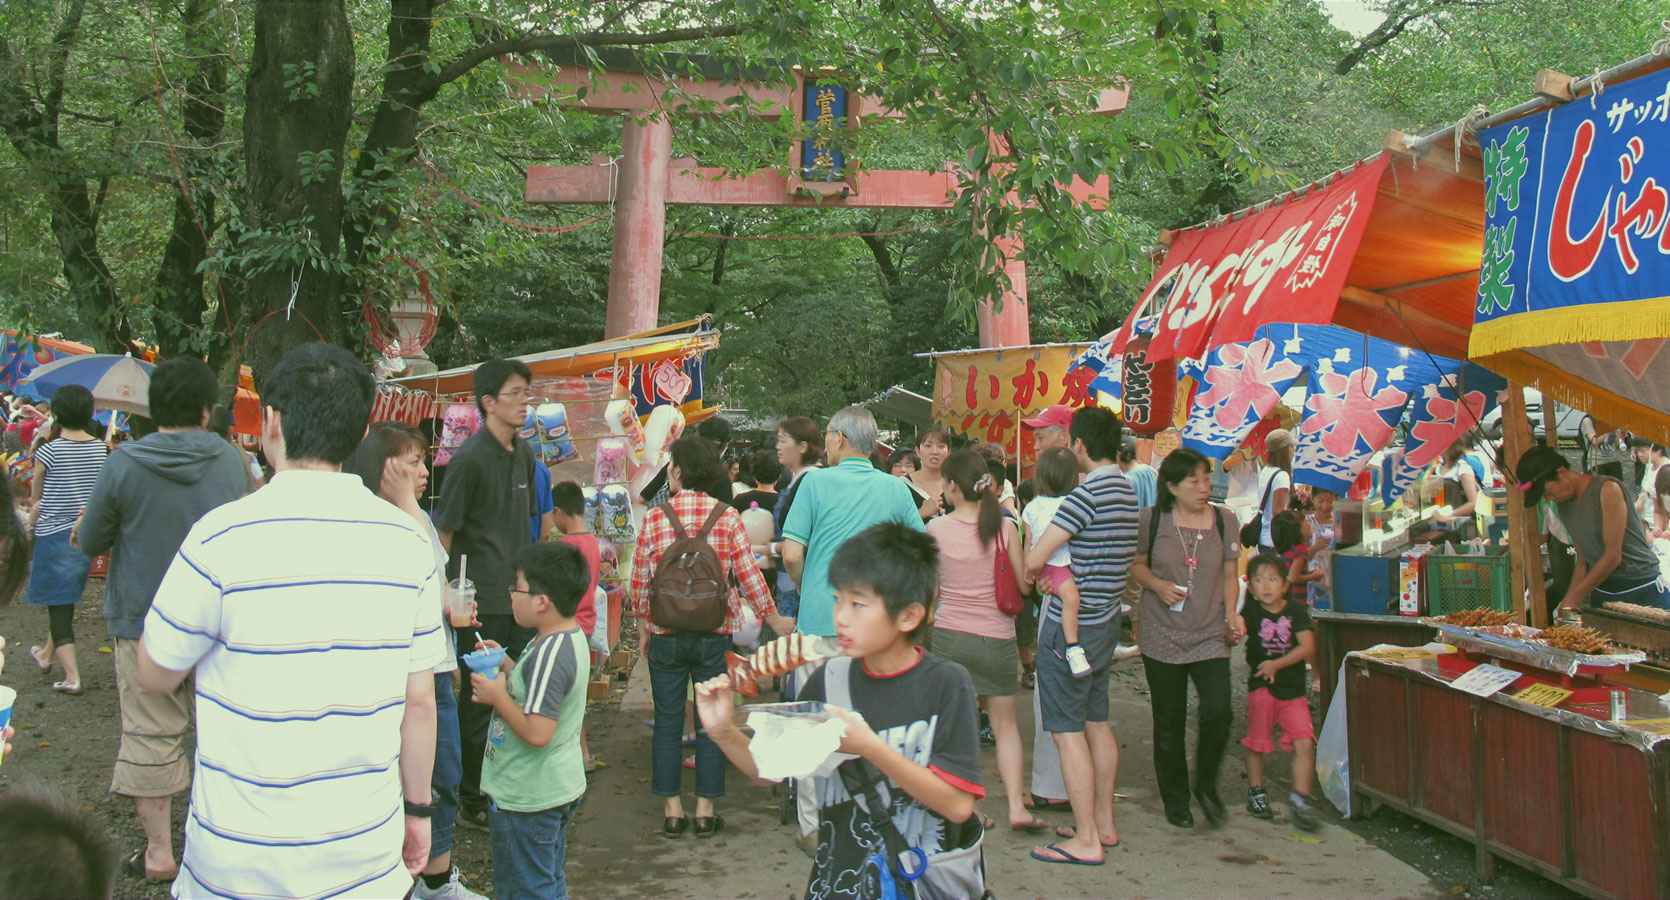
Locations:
(460, 602)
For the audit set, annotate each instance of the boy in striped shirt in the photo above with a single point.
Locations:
(533, 767)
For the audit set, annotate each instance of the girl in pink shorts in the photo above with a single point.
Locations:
(1279, 640)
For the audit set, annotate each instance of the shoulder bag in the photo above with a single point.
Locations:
(1009, 599)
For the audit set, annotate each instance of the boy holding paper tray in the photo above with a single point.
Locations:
(910, 718)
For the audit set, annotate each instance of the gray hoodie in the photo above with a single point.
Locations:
(149, 494)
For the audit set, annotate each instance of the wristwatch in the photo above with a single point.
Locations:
(422, 810)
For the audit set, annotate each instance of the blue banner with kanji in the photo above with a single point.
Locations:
(1439, 414)
(1356, 390)
(1239, 384)
(1576, 205)
(825, 114)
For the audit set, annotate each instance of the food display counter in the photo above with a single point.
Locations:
(1560, 766)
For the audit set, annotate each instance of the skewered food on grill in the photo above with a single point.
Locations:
(1475, 618)
(1574, 639)
(1640, 612)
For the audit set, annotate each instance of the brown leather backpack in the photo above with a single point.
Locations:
(689, 591)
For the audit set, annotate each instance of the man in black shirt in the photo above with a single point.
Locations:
(486, 501)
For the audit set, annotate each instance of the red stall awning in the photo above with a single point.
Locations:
(1386, 247)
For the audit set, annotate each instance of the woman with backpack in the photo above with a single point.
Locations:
(692, 570)
(1186, 563)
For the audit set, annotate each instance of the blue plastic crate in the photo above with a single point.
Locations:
(1365, 584)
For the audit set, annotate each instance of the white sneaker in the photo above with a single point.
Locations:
(454, 889)
(1126, 651)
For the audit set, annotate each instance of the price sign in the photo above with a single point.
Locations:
(1652, 726)
(1485, 679)
(1546, 695)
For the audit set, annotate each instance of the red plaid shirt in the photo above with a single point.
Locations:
(728, 538)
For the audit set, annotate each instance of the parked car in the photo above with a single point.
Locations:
(1566, 419)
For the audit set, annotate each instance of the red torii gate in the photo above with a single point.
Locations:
(645, 180)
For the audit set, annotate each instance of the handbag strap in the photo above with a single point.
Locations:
(1268, 489)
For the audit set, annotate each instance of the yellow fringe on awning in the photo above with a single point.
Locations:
(1519, 367)
(1629, 320)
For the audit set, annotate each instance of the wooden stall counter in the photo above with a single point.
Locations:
(1338, 634)
(1563, 791)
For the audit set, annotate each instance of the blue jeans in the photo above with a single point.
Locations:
(472, 716)
(449, 766)
(529, 850)
(676, 662)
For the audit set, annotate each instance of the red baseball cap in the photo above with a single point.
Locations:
(1057, 416)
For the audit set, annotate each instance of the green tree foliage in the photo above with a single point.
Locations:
(230, 178)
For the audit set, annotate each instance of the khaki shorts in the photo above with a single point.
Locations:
(153, 759)
(993, 663)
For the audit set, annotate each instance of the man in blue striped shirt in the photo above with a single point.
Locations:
(1098, 522)
(311, 613)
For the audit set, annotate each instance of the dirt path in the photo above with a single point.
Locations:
(616, 849)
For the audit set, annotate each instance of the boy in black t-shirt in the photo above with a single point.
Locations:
(913, 716)
(1279, 640)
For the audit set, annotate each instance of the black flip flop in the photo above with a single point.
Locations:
(1040, 803)
(1066, 858)
(134, 864)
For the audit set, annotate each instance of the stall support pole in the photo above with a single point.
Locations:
(1524, 537)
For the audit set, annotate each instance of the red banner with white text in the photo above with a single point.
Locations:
(1284, 264)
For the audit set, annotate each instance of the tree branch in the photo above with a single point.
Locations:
(58, 58)
(1399, 17)
(534, 43)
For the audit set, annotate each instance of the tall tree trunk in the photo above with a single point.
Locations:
(293, 145)
(392, 137)
(180, 303)
(31, 125)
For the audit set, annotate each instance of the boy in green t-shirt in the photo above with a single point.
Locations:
(533, 768)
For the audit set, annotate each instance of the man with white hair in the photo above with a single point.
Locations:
(833, 504)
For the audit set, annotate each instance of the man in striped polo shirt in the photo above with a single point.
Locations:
(311, 613)
(1098, 522)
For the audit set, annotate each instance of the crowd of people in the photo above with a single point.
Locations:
(311, 629)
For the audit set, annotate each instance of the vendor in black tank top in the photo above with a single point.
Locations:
(1615, 561)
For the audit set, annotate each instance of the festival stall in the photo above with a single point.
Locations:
(983, 394)
(1543, 746)
(1353, 296)
(601, 415)
(1526, 727)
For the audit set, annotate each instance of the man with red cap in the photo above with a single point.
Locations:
(1050, 426)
